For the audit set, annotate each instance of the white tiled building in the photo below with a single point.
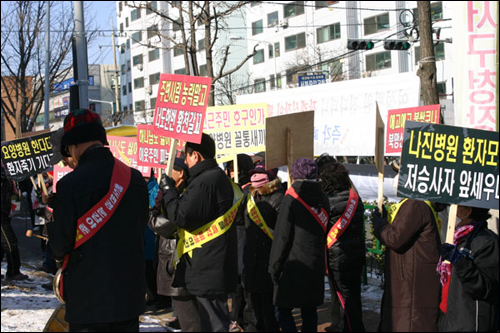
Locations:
(291, 38)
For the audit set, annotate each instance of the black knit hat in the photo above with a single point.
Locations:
(82, 125)
(206, 148)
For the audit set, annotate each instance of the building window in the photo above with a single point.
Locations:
(294, 8)
(441, 88)
(328, 33)
(378, 61)
(152, 102)
(201, 44)
(151, 7)
(295, 42)
(277, 49)
(135, 14)
(334, 68)
(272, 19)
(122, 48)
(139, 83)
(136, 37)
(121, 27)
(152, 31)
(258, 58)
(176, 26)
(126, 22)
(128, 65)
(180, 71)
(140, 105)
(270, 51)
(124, 90)
(324, 4)
(154, 54)
(203, 70)
(438, 53)
(178, 51)
(154, 78)
(260, 85)
(130, 87)
(257, 27)
(376, 24)
(137, 60)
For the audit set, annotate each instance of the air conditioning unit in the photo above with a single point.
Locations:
(139, 67)
(149, 90)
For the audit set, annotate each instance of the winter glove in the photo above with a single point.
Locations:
(166, 183)
(379, 220)
(450, 253)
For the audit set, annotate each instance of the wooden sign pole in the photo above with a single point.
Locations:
(450, 228)
(171, 158)
(235, 169)
(289, 146)
(42, 183)
(379, 157)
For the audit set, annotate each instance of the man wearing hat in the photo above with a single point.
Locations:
(208, 252)
(297, 260)
(100, 212)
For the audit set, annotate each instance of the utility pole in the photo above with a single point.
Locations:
(81, 56)
(117, 81)
(427, 66)
(47, 69)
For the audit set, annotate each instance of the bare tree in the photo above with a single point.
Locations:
(188, 17)
(23, 58)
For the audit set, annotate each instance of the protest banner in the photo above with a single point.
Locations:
(152, 149)
(397, 118)
(238, 128)
(449, 164)
(27, 156)
(289, 137)
(59, 172)
(180, 109)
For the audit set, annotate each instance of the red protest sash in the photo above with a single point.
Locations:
(88, 224)
(321, 216)
(344, 220)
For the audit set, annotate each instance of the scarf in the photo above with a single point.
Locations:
(444, 268)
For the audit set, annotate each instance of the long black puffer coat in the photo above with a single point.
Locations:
(297, 261)
(213, 268)
(258, 245)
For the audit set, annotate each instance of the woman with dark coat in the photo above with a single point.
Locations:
(346, 250)
(297, 261)
(266, 196)
(470, 296)
(184, 304)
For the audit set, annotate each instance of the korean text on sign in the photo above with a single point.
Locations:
(450, 164)
(27, 156)
(180, 106)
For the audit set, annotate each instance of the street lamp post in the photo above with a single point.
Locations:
(274, 54)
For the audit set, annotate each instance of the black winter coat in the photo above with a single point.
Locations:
(258, 245)
(297, 261)
(473, 296)
(349, 250)
(104, 280)
(213, 269)
(167, 244)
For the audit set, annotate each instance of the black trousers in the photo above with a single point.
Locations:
(214, 313)
(131, 325)
(10, 248)
(186, 309)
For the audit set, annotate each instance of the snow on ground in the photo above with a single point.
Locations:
(26, 305)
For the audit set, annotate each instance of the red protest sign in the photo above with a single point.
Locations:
(397, 118)
(180, 106)
(152, 149)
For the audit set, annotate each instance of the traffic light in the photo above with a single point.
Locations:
(360, 44)
(396, 44)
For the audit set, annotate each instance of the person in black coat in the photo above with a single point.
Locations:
(104, 283)
(297, 260)
(266, 193)
(208, 272)
(470, 293)
(346, 250)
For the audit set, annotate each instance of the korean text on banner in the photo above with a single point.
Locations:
(152, 149)
(27, 156)
(237, 128)
(449, 164)
(180, 106)
(397, 118)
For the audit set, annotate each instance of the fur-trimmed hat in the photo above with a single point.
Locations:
(82, 125)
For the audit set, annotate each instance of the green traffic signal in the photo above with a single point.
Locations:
(360, 44)
(396, 44)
